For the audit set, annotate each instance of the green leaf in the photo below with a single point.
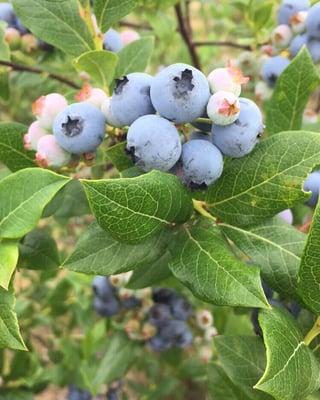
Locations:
(9, 330)
(276, 247)
(220, 387)
(38, 251)
(119, 355)
(309, 273)
(4, 83)
(98, 253)
(293, 371)
(12, 152)
(243, 359)
(267, 181)
(56, 22)
(4, 47)
(23, 196)
(135, 56)
(117, 156)
(12, 394)
(99, 64)
(134, 209)
(204, 262)
(8, 261)
(110, 11)
(295, 85)
(151, 274)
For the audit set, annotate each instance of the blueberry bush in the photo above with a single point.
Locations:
(159, 185)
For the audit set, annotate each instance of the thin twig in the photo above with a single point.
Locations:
(186, 37)
(36, 70)
(223, 44)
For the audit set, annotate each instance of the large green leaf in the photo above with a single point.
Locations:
(135, 56)
(98, 253)
(99, 64)
(8, 260)
(12, 152)
(276, 247)
(204, 262)
(267, 181)
(295, 85)
(243, 359)
(293, 371)
(56, 22)
(9, 330)
(4, 47)
(110, 11)
(23, 196)
(309, 273)
(134, 209)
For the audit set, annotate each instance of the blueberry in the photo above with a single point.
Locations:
(240, 138)
(287, 216)
(164, 295)
(180, 93)
(297, 43)
(106, 308)
(177, 332)
(154, 143)
(112, 394)
(8, 15)
(80, 128)
(197, 135)
(313, 21)
(78, 394)
(131, 98)
(202, 163)
(112, 41)
(267, 291)
(273, 68)
(255, 322)
(181, 309)
(289, 8)
(312, 184)
(160, 343)
(159, 313)
(102, 288)
(294, 308)
(313, 46)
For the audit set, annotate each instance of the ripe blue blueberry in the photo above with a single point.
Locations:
(102, 288)
(164, 295)
(159, 313)
(197, 135)
(8, 15)
(160, 343)
(78, 394)
(112, 41)
(297, 43)
(181, 309)
(131, 98)
(112, 394)
(202, 163)
(313, 21)
(180, 93)
(240, 138)
(154, 143)
(314, 49)
(273, 68)
(177, 332)
(312, 184)
(106, 308)
(79, 128)
(289, 8)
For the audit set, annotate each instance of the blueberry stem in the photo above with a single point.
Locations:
(199, 206)
(313, 333)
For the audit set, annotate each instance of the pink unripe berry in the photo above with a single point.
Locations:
(298, 22)
(281, 36)
(227, 79)
(128, 36)
(50, 154)
(223, 108)
(29, 43)
(35, 133)
(269, 50)
(287, 216)
(92, 95)
(13, 38)
(110, 118)
(46, 108)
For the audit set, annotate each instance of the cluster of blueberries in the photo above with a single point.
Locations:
(113, 393)
(298, 26)
(154, 108)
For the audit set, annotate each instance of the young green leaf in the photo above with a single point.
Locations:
(291, 95)
(23, 196)
(267, 181)
(56, 22)
(203, 261)
(9, 330)
(99, 64)
(110, 11)
(134, 209)
(309, 273)
(12, 152)
(292, 371)
(8, 260)
(135, 56)
(97, 252)
(276, 247)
